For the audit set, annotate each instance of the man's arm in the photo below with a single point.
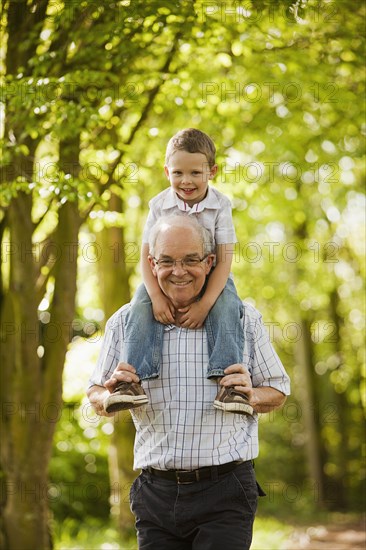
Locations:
(266, 399)
(97, 395)
(219, 276)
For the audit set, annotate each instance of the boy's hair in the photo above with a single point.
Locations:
(192, 141)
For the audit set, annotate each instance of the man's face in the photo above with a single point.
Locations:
(182, 284)
(189, 174)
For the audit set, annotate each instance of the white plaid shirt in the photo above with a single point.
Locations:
(180, 429)
(213, 212)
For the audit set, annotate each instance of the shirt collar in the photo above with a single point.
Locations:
(172, 200)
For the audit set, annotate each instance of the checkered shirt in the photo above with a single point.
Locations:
(180, 429)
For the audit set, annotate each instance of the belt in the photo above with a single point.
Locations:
(190, 476)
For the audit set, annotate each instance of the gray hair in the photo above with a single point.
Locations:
(185, 221)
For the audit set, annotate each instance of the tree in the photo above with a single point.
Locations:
(281, 100)
(93, 92)
(60, 86)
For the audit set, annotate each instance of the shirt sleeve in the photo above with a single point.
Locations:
(110, 353)
(265, 366)
(224, 226)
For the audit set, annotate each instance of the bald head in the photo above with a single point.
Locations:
(181, 224)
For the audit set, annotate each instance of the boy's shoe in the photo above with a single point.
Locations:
(230, 400)
(127, 395)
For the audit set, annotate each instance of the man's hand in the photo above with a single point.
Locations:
(122, 373)
(262, 399)
(238, 376)
(193, 316)
(98, 394)
(163, 309)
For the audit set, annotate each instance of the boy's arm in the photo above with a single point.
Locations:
(150, 282)
(195, 315)
(219, 276)
(162, 307)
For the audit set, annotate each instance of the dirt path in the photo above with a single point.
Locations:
(321, 537)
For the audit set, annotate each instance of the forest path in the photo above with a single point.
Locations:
(328, 537)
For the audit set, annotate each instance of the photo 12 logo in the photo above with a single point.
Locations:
(252, 92)
(248, 12)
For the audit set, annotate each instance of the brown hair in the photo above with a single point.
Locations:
(192, 141)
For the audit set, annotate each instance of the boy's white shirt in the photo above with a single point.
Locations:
(213, 212)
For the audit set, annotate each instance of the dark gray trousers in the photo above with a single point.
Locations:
(206, 515)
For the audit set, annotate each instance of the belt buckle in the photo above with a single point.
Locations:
(181, 482)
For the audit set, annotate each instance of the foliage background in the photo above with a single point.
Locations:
(91, 98)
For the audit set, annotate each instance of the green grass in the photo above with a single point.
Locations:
(90, 536)
(269, 534)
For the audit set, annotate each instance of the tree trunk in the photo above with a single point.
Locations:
(23, 460)
(122, 447)
(336, 490)
(33, 360)
(113, 270)
(115, 291)
(310, 407)
(23, 457)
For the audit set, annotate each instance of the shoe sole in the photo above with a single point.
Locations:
(234, 407)
(120, 403)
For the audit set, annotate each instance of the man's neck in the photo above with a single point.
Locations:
(178, 315)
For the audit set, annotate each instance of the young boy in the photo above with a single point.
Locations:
(190, 164)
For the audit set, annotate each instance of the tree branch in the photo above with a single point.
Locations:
(150, 100)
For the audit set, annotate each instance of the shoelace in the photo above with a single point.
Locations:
(122, 386)
(235, 392)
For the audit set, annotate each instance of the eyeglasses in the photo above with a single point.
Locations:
(187, 262)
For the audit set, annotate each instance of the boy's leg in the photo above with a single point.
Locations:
(142, 350)
(143, 336)
(226, 346)
(224, 331)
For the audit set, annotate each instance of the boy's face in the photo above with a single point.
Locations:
(189, 174)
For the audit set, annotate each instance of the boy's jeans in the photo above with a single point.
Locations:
(144, 335)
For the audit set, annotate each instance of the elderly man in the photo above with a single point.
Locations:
(197, 488)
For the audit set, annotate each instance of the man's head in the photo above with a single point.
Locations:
(190, 164)
(181, 256)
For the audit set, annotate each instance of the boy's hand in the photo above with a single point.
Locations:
(194, 315)
(163, 309)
